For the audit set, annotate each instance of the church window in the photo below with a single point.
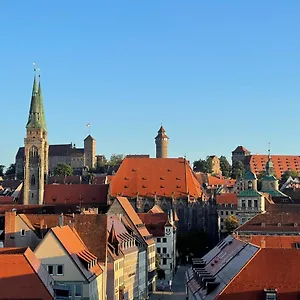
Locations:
(32, 180)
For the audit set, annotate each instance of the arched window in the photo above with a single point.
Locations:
(33, 180)
(33, 155)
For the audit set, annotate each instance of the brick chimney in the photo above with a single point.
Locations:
(10, 228)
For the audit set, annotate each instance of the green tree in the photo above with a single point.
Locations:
(115, 159)
(200, 166)
(225, 166)
(11, 170)
(231, 223)
(237, 170)
(63, 169)
(2, 167)
(287, 174)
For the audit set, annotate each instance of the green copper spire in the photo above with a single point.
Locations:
(36, 117)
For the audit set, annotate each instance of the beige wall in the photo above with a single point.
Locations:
(131, 274)
(55, 160)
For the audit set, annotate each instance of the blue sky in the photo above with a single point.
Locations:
(217, 74)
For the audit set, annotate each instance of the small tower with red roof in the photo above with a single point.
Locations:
(161, 141)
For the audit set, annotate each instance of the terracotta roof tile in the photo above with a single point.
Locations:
(274, 241)
(75, 194)
(218, 181)
(272, 221)
(281, 163)
(269, 268)
(22, 276)
(161, 176)
(226, 198)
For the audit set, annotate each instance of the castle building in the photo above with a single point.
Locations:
(89, 152)
(161, 141)
(36, 149)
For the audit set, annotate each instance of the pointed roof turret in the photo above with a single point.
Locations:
(269, 169)
(36, 118)
(161, 133)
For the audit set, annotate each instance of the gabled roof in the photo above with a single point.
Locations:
(22, 276)
(240, 149)
(226, 198)
(219, 181)
(77, 250)
(268, 269)
(272, 221)
(75, 194)
(282, 163)
(137, 222)
(155, 222)
(167, 177)
(156, 209)
(92, 229)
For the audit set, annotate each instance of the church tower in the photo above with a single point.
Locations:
(36, 149)
(269, 181)
(161, 141)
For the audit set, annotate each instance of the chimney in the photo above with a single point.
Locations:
(61, 220)
(263, 243)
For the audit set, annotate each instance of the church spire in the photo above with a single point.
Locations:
(36, 117)
(269, 164)
(40, 96)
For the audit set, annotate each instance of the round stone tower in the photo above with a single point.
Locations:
(161, 141)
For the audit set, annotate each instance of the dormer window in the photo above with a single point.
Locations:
(279, 224)
(263, 224)
(295, 224)
(271, 294)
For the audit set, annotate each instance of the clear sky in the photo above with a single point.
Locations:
(217, 74)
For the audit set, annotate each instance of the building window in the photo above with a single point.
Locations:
(164, 250)
(226, 212)
(222, 212)
(222, 227)
(60, 270)
(249, 203)
(164, 262)
(158, 250)
(164, 240)
(23, 232)
(222, 220)
(232, 212)
(78, 290)
(255, 203)
(158, 240)
(50, 269)
(243, 203)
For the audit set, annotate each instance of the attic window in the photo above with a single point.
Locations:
(162, 186)
(144, 186)
(169, 170)
(177, 178)
(178, 186)
(133, 170)
(144, 178)
(295, 224)
(53, 199)
(271, 294)
(161, 178)
(297, 245)
(126, 186)
(126, 178)
(279, 224)
(263, 224)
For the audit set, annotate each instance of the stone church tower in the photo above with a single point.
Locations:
(36, 149)
(161, 141)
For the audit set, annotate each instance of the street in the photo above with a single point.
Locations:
(178, 287)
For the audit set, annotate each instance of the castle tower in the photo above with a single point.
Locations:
(161, 141)
(89, 152)
(36, 149)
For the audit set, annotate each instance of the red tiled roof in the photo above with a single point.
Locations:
(6, 200)
(133, 216)
(160, 176)
(92, 229)
(155, 222)
(226, 198)
(282, 163)
(268, 269)
(22, 276)
(272, 221)
(217, 181)
(71, 241)
(274, 241)
(75, 193)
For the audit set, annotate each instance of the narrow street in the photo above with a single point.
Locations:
(178, 287)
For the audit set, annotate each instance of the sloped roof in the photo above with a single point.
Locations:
(274, 241)
(218, 181)
(71, 241)
(161, 176)
(156, 209)
(269, 268)
(272, 221)
(282, 163)
(155, 222)
(226, 198)
(240, 149)
(92, 229)
(133, 216)
(22, 276)
(75, 193)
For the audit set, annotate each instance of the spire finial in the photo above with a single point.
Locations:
(269, 150)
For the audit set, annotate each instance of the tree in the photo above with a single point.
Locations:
(287, 174)
(237, 170)
(200, 166)
(63, 169)
(11, 170)
(225, 166)
(115, 159)
(2, 167)
(231, 223)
